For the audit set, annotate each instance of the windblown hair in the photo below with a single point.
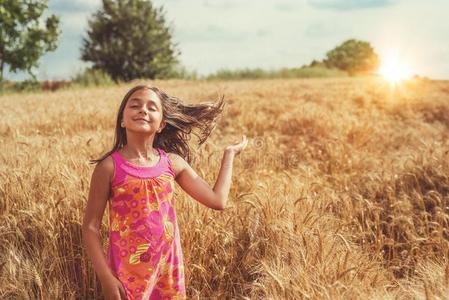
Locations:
(181, 121)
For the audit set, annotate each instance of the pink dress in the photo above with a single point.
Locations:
(144, 245)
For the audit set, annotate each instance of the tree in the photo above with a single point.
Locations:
(353, 56)
(128, 39)
(23, 39)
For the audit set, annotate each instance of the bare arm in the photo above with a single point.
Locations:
(198, 188)
(96, 203)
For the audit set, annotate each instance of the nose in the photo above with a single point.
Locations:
(143, 110)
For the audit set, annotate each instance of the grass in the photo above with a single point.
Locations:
(342, 192)
(258, 73)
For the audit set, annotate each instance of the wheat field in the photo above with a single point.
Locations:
(342, 192)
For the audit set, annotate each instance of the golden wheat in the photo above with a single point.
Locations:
(343, 191)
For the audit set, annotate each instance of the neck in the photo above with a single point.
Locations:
(140, 145)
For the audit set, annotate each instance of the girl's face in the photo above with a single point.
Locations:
(143, 112)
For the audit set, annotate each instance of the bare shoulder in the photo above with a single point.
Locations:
(105, 169)
(174, 157)
(177, 162)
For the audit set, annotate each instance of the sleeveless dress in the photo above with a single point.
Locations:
(144, 245)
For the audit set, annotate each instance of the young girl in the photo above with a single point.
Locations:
(136, 178)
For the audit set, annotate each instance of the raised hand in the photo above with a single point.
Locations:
(238, 146)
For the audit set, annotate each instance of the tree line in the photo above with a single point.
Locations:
(126, 39)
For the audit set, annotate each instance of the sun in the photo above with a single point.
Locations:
(394, 71)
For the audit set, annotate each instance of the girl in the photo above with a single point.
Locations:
(136, 178)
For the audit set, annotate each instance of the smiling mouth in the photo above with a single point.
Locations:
(142, 120)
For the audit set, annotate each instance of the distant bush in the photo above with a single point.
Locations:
(239, 74)
(27, 86)
(31, 85)
(308, 72)
(181, 72)
(19, 86)
(53, 85)
(317, 63)
(258, 73)
(92, 77)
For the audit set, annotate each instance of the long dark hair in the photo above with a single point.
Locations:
(181, 120)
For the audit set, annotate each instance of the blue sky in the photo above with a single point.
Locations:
(215, 34)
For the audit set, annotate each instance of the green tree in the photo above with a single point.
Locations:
(129, 39)
(353, 56)
(23, 36)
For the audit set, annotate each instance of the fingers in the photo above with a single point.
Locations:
(241, 144)
(244, 141)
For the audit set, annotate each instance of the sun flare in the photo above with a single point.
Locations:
(394, 71)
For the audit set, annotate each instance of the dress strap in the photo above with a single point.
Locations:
(167, 162)
(119, 173)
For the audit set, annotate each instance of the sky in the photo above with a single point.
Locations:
(271, 34)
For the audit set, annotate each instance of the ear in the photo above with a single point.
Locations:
(162, 126)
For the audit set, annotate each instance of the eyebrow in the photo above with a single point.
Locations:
(140, 100)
